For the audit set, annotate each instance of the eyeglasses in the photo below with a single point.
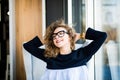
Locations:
(59, 34)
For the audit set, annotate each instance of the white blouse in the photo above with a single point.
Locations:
(75, 73)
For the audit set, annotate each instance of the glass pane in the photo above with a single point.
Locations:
(78, 15)
(107, 61)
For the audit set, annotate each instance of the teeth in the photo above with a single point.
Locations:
(57, 41)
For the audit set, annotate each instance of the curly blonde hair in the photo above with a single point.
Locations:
(50, 49)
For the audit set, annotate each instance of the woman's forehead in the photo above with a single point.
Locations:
(59, 29)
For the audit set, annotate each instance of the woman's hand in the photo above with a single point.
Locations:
(79, 36)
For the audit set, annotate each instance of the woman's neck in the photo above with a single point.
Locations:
(65, 50)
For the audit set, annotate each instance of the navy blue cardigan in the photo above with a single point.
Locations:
(76, 58)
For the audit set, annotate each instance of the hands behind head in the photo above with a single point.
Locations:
(79, 36)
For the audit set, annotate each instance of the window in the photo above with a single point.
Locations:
(107, 60)
(101, 15)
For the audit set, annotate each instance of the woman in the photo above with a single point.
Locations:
(63, 61)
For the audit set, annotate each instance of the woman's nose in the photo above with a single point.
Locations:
(56, 37)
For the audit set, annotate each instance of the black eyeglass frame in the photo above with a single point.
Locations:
(59, 34)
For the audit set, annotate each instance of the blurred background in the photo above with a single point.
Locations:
(17, 16)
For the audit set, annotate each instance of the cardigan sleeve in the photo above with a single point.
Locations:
(32, 47)
(97, 38)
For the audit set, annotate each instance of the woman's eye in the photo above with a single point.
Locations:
(61, 33)
(53, 36)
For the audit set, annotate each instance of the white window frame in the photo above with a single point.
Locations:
(12, 41)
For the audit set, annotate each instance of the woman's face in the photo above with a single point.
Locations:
(61, 37)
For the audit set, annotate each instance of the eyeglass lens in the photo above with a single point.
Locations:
(59, 34)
